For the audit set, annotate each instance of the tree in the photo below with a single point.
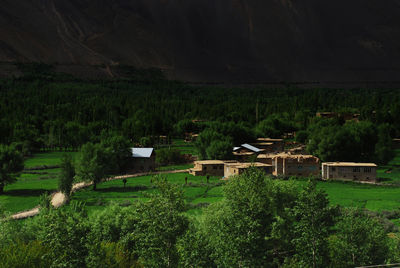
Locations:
(93, 164)
(64, 232)
(160, 224)
(11, 164)
(239, 228)
(210, 137)
(360, 240)
(383, 148)
(313, 221)
(67, 174)
(221, 150)
(119, 151)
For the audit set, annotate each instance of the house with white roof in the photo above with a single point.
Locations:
(245, 151)
(143, 160)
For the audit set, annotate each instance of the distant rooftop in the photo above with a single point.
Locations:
(251, 148)
(349, 164)
(268, 140)
(142, 152)
(214, 162)
(247, 165)
(287, 155)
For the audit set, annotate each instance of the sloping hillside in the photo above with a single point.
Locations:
(208, 40)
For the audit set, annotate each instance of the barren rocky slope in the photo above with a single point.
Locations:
(209, 40)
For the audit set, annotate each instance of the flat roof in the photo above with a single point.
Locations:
(269, 139)
(349, 164)
(214, 162)
(286, 155)
(247, 165)
(262, 143)
(246, 153)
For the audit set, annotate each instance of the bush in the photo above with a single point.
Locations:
(168, 156)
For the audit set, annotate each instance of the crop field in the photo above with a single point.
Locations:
(184, 147)
(25, 193)
(196, 192)
(390, 173)
(47, 159)
(175, 167)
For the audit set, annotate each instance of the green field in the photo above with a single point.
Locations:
(175, 167)
(390, 173)
(25, 193)
(197, 191)
(46, 159)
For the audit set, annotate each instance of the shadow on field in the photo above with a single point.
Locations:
(24, 192)
(122, 189)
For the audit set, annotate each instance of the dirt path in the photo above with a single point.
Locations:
(58, 199)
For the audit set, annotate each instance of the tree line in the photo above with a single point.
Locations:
(45, 112)
(261, 222)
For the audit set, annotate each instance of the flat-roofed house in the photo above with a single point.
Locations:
(349, 171)
(209, 167)
(245, 151)
(232, 169)
(285, 164)
(270, 145)
(143, 160)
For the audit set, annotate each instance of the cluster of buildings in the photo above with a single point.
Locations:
(269, 155)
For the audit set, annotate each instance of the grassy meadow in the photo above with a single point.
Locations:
(196, 191)
(25, 193)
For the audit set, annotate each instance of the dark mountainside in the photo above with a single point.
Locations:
(209, 40)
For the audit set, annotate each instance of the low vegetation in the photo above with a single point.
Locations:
(274, 222)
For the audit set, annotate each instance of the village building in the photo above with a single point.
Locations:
(209, 167)
(285, 164)
(345, 116)
(245, 152)
(270, 145)
(191, 137)
(143, 160)
(232, 169)
(349, 171)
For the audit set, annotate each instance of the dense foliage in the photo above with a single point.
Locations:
(261, 222)
(62, 113)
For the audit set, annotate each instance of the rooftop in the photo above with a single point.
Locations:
(214, 162)
(269, 140)
(349, 164)
(142, 152)
(247, 165)
(263, 143)
(286, 155)
(251, 148)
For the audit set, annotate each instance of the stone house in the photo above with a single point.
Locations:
(285, 164)
(143, 160)
(209, 167)
(349, 171)
(232, 169)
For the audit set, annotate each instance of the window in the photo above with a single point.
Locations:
(205, 168)
(367, 170)
(356, 169)
(214, 167)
